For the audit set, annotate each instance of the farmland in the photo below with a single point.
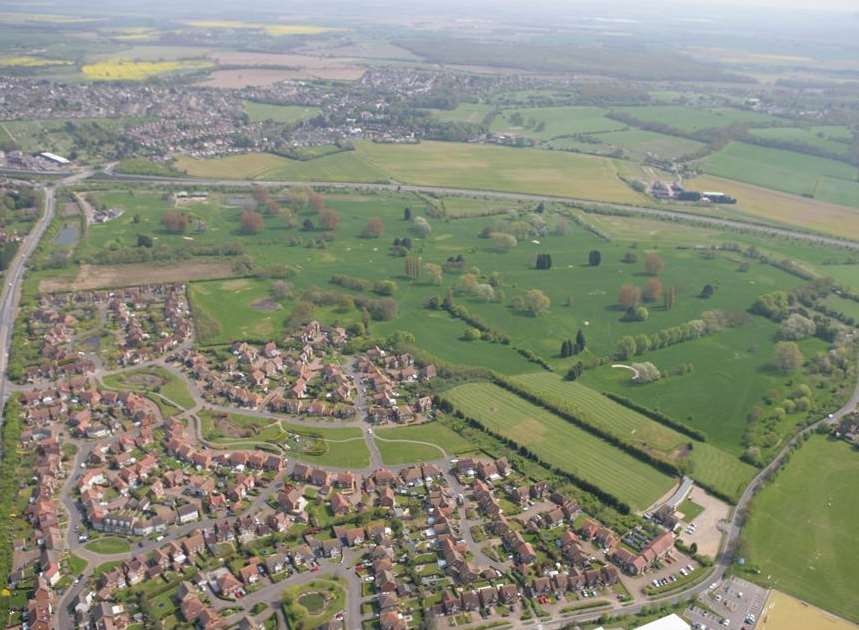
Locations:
(706, 463)
(800, 525)
(786, 171)
(127, 70)
(561, 444)
(550, 122)
(833, 139)
(691, 120)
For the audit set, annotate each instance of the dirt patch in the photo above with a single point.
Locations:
(109, 276)
(707, 533)
(267, 305)
(145, 381)
(249, 77)
(784, 612)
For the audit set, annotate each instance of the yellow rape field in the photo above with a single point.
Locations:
(271, 29)
(28, 61)
(125, 70)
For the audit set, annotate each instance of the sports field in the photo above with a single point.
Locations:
(786, 171)
(802, 525)
(783, 612)
(562, 444)
(708, 464)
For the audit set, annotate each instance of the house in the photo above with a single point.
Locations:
(187, 514)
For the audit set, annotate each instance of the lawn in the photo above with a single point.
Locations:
(279, 113)
(690, 510)
(801, 528)
(787, 171)
(562, 444)
(419, 443)
(310, 605)
(709, 465)
(109, 545)
(153, 379)
(691, 119)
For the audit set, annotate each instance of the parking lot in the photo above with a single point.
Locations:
(735, 602)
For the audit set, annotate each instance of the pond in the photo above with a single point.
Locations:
(68, 235)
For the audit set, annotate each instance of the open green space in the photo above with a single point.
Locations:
(279, 113)
(562, 444)
(706, 463)
(543, 123)
(799, 536)
(473, 113)
(109, 545)
(736, 360)
(154, 379)
(419, 443)
(639, 143)
(690, 510)
(693, 119)
(797, 173)
(832, 139)
(310, 605)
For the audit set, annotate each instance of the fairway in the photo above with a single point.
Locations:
(562, 444)
(709, 465)
(802, 528)
(786, 171)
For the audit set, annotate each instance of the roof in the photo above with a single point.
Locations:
(671, 622)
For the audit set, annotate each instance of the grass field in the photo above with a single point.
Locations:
(543, 123)
(224, 311)
(734, 360)
(785, 208)
(796, 173)
(832, 139)
(436, 164)
(153, 379)
(128, 70)
(692, 119)
(279, 113)
(638, 143)
(709, 465)
(802, 525)
(402, 445)
(311, 605)
(464, 112)
(845, 274)
(109, 545)
(561, 444)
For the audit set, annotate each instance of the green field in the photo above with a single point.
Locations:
(734, 360)
(419, 443)
(226, 310)
(109, 545)
(833, 139)
(847, 275)
(562, 444)
(692, 119)
(543, 123)
(787, 171)
(444, 164)
(710, 465)
(279, 113)
(801, 528)
(153, 379)
(473, 113)
(638, 143)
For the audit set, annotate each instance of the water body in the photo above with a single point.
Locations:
(68, 235)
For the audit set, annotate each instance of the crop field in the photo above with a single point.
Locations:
(832, 139)
(782, 207)
(419, 443)
(271, 29)
(127, 70)
(801, 525)
(786, 171)
(709, 465)
(562, 444)
(735, 360)
(543, 123)
(692, 120)
(279, 113)
(29, 61)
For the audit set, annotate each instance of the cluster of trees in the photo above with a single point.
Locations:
(175, 222)
(461, 312)
(788, 357)
(251, 221)
(401, 246)
(416, 270)
(796, 327)
(775, 305)
(570, 348)
(11, 431)
(375, 228)
(421, 227)
(533, 302)
(646, 373)
(575, 371)
(543, 261)
(710, 322)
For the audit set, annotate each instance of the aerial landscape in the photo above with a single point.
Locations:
(411, 316)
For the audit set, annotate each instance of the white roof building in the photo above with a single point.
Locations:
(671, 622)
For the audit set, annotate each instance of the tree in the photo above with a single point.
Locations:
(575, 371)
(374, 229)
(329, 219)
(421, 227)
(653, 290)
(432, 273)
(144, 240)
(251, 221)
(280, 289)
(628, 295)
(580, 341)
(544, 261)
(669, 298)
(385, 287)
(484, 292)
(797, 327)
(413, 267)
(566, 348)
(407, 214)
(536, 302)
(562, 227)
(646, 372)
(503, 242)
(471, 334)
(653, 264)
(315, 201)
(594, 258)
(175, 222)
(788, 357)
(625, 347)
(630, 257)
(708, 291)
